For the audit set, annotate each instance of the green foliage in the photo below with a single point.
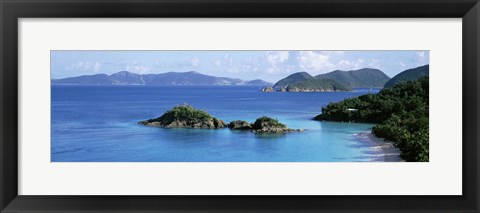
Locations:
(348, 79)
(267, 122)
(320, 84)
(292, 79)
(401, 114)
(184, 112)
(408, 75)
(358, 78)
(410, 133)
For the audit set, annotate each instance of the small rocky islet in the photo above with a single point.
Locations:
(262, 125)
(186, 116)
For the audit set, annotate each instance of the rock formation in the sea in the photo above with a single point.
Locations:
(240, 125)
(268, 89)
(262, 125)
(185, 117)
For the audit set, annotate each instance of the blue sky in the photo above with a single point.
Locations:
(248, 65)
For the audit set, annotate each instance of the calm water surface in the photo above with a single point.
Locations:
(99, 124)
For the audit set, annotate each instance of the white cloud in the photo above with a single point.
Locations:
(279, 63)
(216, 62)
(251, 64)
(245, 66)
(226, 63)
(97, 66)
(403, 65)
(275, 62)
(159, 64)
(179, 64)
(229, 64)
(374, 63)
(421, 54)
(422, 57)
(227, 59)
(314, 61)
(84, 66)
(276, 57)
(278, 69)
(194, 61)
(272, 62)
(349, 65)
(139, 69)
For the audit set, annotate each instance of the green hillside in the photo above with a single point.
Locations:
(318, 85)
(366, 78)
(292, 79)
(408, 75)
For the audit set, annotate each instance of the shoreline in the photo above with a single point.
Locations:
(383, 151)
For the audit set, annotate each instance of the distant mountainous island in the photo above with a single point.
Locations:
(362, 78)
(294, 78)
(408, 75)
(191, 78)
(330, 82)
(311, 85)
(338, 80)
(298, 82)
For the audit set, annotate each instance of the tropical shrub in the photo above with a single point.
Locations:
(400, 112)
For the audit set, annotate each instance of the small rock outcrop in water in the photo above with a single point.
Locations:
(185, 117)
(240, 125)
(262, 125)
(268, 89)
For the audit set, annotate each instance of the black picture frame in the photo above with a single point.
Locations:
(12, 10)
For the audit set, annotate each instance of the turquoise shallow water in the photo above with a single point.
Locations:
(99, 124)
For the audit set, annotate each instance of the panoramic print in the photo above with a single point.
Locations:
(240, 106)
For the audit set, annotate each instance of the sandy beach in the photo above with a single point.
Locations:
(382, 151)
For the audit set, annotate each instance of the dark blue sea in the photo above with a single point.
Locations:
(99, 124)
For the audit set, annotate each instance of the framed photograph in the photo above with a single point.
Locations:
(255, 106)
